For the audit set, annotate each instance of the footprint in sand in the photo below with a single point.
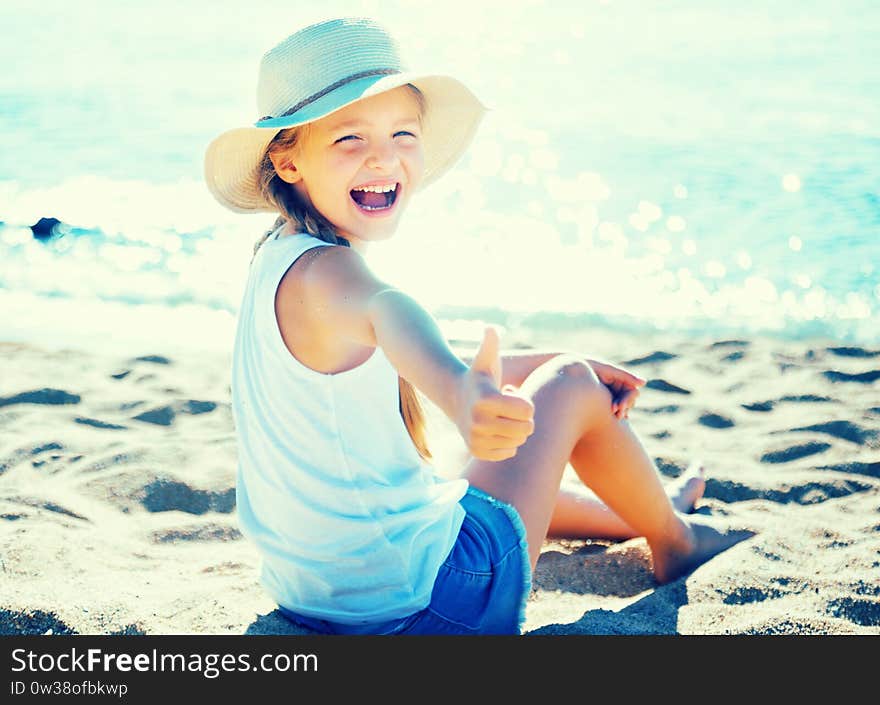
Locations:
(847, 351)
(165, 415)
(41, 396)
(801, 450)
(861, 377)
(669, 409)
(856, 468)
(50, 506)
(749, 594)
(161, 416)
(167, 495)
(716, 421)
(156, 359)
(806, 398)
(661, 385)
(669, 467)
(864, 611)
(799, 398)
(729, 343)
(806, 493)
(99, 424)
(206, 532)
(656, 356)
(34, 622)
(193, 406)
(846, 430)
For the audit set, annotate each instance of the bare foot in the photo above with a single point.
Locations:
(701, 542)
(687, 488)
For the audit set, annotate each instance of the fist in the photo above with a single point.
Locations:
(493, 422)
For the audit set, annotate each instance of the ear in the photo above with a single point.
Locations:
(284, 167)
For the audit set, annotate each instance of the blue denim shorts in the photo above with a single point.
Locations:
(481, 588)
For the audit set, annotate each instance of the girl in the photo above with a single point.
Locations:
(357, 533)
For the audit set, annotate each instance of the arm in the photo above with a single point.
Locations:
(362, 308)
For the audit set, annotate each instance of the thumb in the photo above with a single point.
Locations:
(488, 357)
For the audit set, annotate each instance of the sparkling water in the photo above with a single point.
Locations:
(696, 167)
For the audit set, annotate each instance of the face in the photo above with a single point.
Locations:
(360, 165)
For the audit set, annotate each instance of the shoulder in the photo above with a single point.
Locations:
(327, 272)
(331, 288)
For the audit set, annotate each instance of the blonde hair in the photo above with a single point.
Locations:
(307, 219)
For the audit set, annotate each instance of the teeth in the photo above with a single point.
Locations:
(377, 189)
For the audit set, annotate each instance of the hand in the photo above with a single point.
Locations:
(624, 386)
(493, 422)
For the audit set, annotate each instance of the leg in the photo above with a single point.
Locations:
(573, 423)
(579, 514)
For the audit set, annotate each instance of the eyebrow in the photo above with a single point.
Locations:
(357, 123)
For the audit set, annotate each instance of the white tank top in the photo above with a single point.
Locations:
(352, 523)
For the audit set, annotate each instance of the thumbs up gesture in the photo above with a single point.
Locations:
(492, 421)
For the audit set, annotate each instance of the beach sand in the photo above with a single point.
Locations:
(117, 502)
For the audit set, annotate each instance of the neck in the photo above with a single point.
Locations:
(359, 246)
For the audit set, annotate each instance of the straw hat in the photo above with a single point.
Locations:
(319, 70)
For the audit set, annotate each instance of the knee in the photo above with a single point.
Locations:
(568, 380)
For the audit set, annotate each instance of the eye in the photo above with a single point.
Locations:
(346, 138)
(404, 132)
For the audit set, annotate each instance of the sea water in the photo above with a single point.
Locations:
(695, 167)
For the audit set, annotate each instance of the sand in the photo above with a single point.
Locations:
(117, 503)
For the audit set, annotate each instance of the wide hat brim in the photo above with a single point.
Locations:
(451, 118)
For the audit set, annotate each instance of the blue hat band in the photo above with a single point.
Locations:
(268, 120)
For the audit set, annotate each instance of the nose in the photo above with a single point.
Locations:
(383, 155)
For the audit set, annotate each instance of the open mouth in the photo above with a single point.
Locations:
(375, 198)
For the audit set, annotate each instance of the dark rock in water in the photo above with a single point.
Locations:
(45, 228)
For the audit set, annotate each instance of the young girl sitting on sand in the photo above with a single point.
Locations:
(358, 533)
